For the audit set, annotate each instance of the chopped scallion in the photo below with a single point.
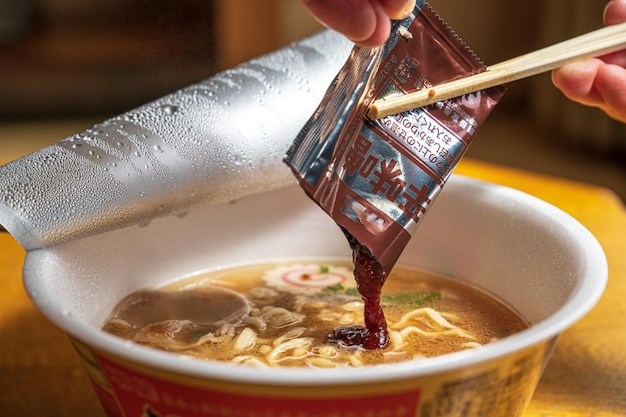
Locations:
(333, 288)
(413, 298)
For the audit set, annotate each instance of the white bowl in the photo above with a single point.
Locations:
(534, 256)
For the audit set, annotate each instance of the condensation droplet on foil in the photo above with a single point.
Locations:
(169, 109)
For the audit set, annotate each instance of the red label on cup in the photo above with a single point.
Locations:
(142, 395)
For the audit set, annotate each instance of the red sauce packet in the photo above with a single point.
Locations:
(377, 179)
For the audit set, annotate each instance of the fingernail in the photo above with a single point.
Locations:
(409, 8)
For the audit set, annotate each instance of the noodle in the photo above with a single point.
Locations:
(287, 323)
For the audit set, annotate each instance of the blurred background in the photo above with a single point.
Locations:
(66, 65)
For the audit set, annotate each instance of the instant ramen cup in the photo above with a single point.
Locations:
(530, 254)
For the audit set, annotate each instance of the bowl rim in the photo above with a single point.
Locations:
(583, 298)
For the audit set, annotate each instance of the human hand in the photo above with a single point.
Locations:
(598, 82)
(364, 22)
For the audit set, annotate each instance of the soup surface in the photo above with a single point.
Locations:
(286, 315)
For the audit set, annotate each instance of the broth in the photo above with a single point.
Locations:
(289, 315)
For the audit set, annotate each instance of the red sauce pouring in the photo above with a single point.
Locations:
(370, 277)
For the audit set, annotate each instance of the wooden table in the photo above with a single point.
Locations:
(40, 375)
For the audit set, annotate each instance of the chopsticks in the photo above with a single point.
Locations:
(599, 42)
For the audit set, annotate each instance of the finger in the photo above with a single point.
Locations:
(610, 83)
(576, 81)
(398, 9)
(359, 25)
(616, 58)
(615, 12)
(381, 30)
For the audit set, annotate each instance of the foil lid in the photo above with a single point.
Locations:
(212, 142)
(377, 179)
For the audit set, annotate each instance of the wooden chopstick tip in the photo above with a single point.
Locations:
(373, 112)
(395, 104)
